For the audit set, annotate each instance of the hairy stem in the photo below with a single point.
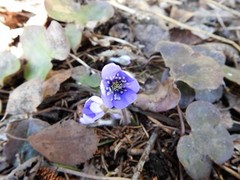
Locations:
(125, 117)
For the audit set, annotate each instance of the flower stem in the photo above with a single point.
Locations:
(125, 117)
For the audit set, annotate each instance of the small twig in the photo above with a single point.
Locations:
(167, 129)
(229, 170)
(145, 131)
(138, 151)
(82, 62)
(15, 137)
(236, 13)
(81, 174)
(110, 38)
(145, 154)
(180, 171)
(4, 91)
(181, 120)
(4, 117)
(175, 22)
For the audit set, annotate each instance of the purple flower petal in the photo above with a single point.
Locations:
(118, 88)
(125, 99)
(92, 110)
(86, 120)
(134, 86)
(88, 112)
(128, 77)
(110, 70)
(107, 100)
(131, 81)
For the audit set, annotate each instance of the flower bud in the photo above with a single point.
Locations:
(93, 110)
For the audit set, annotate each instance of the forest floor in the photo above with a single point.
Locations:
(185, 121)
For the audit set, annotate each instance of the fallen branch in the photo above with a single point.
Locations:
(145, 154)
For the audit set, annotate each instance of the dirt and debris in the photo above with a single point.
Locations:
(185, 56)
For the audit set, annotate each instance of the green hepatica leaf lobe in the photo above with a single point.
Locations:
(72, 11)
(59, 45)
(232, 74)
(196, 164)
(208, 141)
(9, 64)
(36, 51)
(74, 35)
(40, 46)
(195, 69)
(91, 80)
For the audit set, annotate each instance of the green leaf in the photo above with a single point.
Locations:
(197, 70)
(209, 140)
(40, 46)
(91, 80)
(74, 35)
(9, 64)
(72, 11)
(82, 76)
(196, 164)
(207, 50)
(58, 42)
(36, 50)
(209, 95)
(232, 74)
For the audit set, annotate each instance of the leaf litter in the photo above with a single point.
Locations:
(66, 142)
(158, 43)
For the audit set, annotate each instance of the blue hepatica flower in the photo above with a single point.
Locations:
(93, 110)
(118, 88)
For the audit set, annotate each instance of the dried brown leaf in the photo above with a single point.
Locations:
(159, 97)
(180, 15)
(25, 98)
(67, 143)
(52, 85)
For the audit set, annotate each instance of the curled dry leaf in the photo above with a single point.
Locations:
(180, 15)
(195, 69)
(52, 85)
(25, 98)
(158, 97)
(80, 141)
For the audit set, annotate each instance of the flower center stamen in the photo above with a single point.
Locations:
(117, 85)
